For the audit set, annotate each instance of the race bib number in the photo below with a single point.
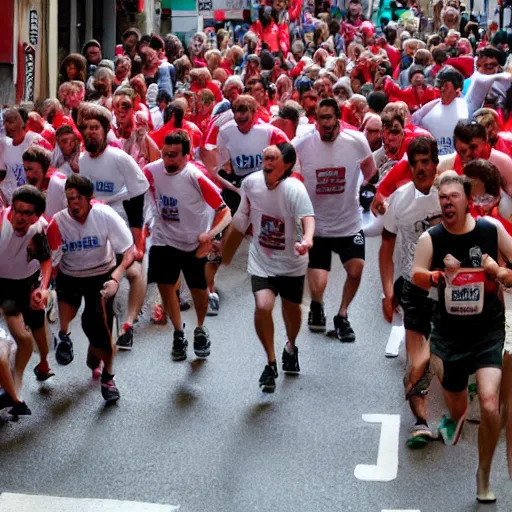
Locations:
(330, 180)
(272, 234)
(464, 292)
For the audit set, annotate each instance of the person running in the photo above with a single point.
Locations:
(240, 143)
(458, 256)
(84, 240)
(440, 116)
(119, 182)
(25, 272)
(330, 161)
(281, 213)
(413, 208)
(183, 197)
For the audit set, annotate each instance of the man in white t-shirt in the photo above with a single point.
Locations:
(281, 213)
(440, 116)
(15, 144)
(183, 198)
(240, 144)
(413, 208)
(84, 239)
(331, 162)
(25, 272)
(119, 182)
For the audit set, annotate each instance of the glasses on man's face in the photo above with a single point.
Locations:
(170, 154)
(394, 131)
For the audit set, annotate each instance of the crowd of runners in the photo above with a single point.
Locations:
(287, 132)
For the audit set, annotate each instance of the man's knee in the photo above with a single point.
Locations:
(489, 403)
(354, 268)
(134, 272)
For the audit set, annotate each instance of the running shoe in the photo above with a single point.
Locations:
(51, 308)
(6, 401)
(201, 342)
(64, 349)
(43, 372)
(420, 436)
(159, 316)
(179, 346)
(291, 361)
(185, 304)
(109, 392)
(125, 341)
(450, 430)
(268, 378)
(343, 329)
(213, 304)
(316, 317)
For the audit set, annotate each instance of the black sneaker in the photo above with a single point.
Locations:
(64, 349)
(201, 342)
(109, 391)
(20, 409)
(6, 401)
(125, 341)
(268, 378)
(179, 346)
(316, 317)
(343, 330)
(291, 361)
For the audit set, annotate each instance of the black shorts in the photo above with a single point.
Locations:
(166, 263)
(15, 299)
(98, 313)
(456, 373)
(346, 247)
(231, 198)
(289, 287)
(416, 305)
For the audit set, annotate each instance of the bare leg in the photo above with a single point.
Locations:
(457, 403)
(292, 315)
(171, 304)
(211, 269)
(66, 315)
(317, 280)
(41, 339)
(25, 343)
(418, 352)
(6, 378)
(137, 291)
(354, 268)
(506, 402)
(264, 323)
(488, 381)
(200, 298)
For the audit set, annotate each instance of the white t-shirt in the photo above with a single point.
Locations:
(331, 174)
(182, 205)
(16, 261)
(441, 122)
(275, 216)
(88, 249)
(56, 195)
(12, 157)
(245, 150)
(409, 215)
(115, 175)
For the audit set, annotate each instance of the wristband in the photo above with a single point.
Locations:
(114, 279)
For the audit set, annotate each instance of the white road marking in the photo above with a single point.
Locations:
(387, 457)
(396, 336)
(400, 510)
(30, 503)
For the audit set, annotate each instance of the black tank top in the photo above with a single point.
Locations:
(468, 249)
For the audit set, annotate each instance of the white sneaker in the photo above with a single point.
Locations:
(213, 304)
(51, 308)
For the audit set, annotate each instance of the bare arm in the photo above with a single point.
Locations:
(368, 168)
(387, 270)
(422, 276)
(308, 228)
